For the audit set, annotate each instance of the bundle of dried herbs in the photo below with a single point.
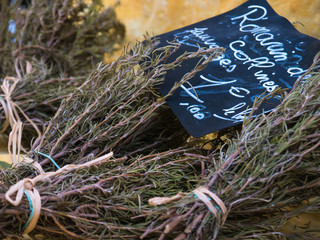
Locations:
(272, 165)
(118, 108)
(242, 192)
(33, 100)
(69, 36)
(47, 48)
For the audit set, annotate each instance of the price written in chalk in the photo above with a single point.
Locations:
(263, 52)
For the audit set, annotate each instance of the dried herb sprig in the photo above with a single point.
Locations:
(118, 108)
(110, 201)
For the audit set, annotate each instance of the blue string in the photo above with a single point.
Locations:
(216, 206)
(31, 208)
(45, 155)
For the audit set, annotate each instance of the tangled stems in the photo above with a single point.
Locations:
(271, 165)
(118, 108)
(69, 36)
(48, 48)
(263, 177)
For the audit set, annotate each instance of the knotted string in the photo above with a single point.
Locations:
(164, 200)
(203, 194)
(8, 105)
(27, 186)
(13, 119)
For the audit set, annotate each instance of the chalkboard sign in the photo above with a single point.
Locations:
(263, 52)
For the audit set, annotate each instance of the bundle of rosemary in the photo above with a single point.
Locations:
(69, 36)
(118, 108)
(241, 192)
(47, 49)
(271, 166)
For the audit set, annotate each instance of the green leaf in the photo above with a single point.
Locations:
(4, 164)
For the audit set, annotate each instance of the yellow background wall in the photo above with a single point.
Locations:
(160, 16)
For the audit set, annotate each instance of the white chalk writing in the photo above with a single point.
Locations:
(212, 83)
(260, 62)
(236, 91)
(211, 43)
(270, 86)
(257, 60)
(261, 34)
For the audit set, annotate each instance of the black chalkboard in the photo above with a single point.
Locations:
(263, 51)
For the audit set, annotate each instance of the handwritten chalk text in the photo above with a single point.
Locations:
(260, 62)
(261, 34)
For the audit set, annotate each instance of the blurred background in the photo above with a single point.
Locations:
(160, 16)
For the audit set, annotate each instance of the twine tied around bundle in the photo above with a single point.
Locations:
(203, 194)
(206, 196)
(27, 187)
(13, 120)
